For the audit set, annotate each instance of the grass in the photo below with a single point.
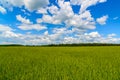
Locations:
(60, 63)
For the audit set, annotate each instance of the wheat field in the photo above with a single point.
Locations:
(60, 63)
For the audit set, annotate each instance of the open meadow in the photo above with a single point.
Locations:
(60, 63)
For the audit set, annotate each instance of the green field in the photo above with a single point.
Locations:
(60, 63)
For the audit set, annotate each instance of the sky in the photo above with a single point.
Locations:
(41, 22)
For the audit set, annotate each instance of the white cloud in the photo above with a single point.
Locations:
(61, 15)
(39, 20)
(25, 12)
(35, 4)
(18, 3)
(46, 33)
(85, 21)
(101, 1)
(53, 9)
(28, 25)
(23, 19)
(29, 4)
(47, 19)
(86, 3)
(76, 2)
(2, 10)
(10, 34)
(93, 35)
(102, 20)
(70, 40)
(4, 28)
(42, 11)
(111, 35)
(7, 32)
(73, 30)
(66, 15)
(37, 27)
(59, 35)
(109, 40)
(9, 4)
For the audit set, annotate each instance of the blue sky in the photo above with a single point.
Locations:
(57, 21)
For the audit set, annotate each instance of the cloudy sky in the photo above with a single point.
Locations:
(37, 22)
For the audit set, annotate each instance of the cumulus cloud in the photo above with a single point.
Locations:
(93, 34)
(92, 37)
(32, 27)
(7, 32)
(18, 3)
(23, 19)
(28, 25)
(29, 4)
(2, 10)
(66, 15)
(74, 25)
(102, 20)
(61, 15)
(10, 34)
(58, 36)
(9, 4)
(35, 4)
(70, 40)
(111, 35)
(39, 20)
(86, 3)
(42, 11)
(4, 28)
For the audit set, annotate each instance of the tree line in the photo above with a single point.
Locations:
(74, 44)
(85, 44)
